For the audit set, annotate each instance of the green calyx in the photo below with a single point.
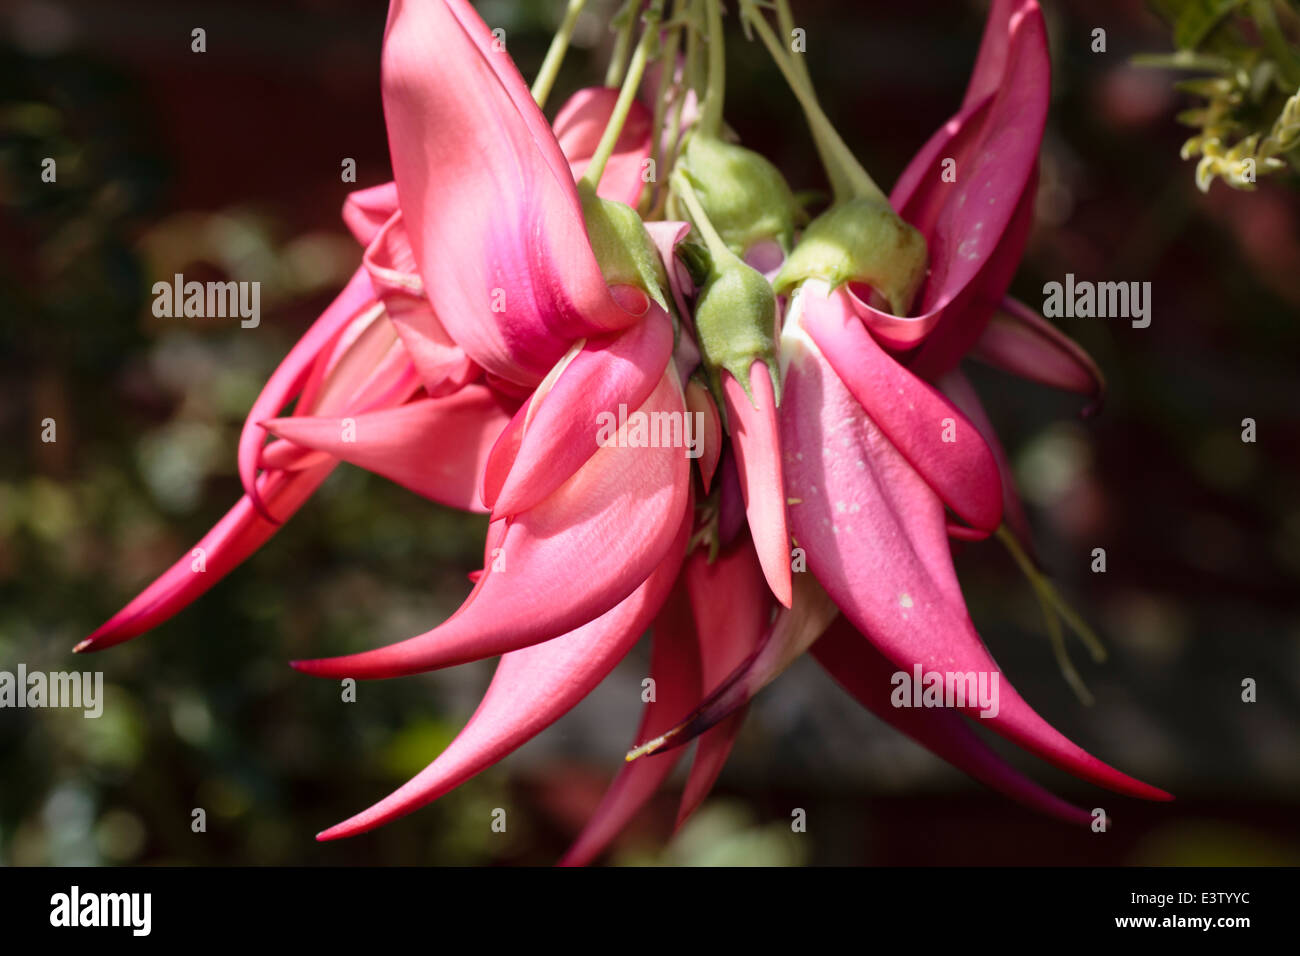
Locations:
(735, 323)
(861, 240)
(745, 196)
(622, 247)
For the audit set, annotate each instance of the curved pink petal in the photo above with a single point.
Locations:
(756, 440)
(699, 402)
(390, 261)
(935, 438)
(532, 688)
(674, 667)
(976, 227)
(1020, 341)
(861, 670)
(366, 210)
(875, 538)
(367, 366)
(791, 632)
(731, 607)
(281, 455)
(237, 535)
(578, 127)
(291, 375)
(616, 518)
(434, 446)
(958, 388)
(564, 425)
(514, 284)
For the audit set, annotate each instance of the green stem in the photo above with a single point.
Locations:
(1265, 17)
(848, 179)
(631, 82)
(717, 247)
(1046, 591)
(555, 53)
(668, 68)
(711, 113)
(625, 21)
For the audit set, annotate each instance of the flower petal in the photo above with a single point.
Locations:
(861, 670)
(874, 534)
(731, 607)
(390, 261)
(561, 564)
(516, 285)
(1018, 340)
(291, 375)
(935, 438)
(434, 446)
(578, 128)
(674, 667)
(563, 425)
(366, 210)
(976, 227)
(237, 535)
(958, 388)
(756, 440)
(532, 688)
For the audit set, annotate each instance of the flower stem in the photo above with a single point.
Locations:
(624, 21)
(555, 53)
(848, 179)
(631, 82)
(717, 247)
(667, 72)
(1047, 593)
(710, 123)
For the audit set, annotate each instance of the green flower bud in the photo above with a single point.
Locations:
(735, 322)
(623, 248)
(861, 240)
(744, 196)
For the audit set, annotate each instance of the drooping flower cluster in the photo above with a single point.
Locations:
(745, 424)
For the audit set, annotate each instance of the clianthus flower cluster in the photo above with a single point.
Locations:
(620, 336)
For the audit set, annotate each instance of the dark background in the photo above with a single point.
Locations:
(227, 164)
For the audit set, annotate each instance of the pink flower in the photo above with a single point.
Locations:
(503, 309)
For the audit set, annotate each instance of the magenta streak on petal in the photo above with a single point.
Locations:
(434, 446)
(616, 517)
(1018, 340)
(861, 670)
(674, 667)
(241, 532)
(912, 414)
(958, 388)
(288, 379)
(532, 688)
(875, 539)
(732, 608)
(515, 287)
(756, 440)
(565, 425)
(366, 210)
(578, 128)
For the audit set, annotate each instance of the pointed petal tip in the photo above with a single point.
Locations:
(84, 646)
